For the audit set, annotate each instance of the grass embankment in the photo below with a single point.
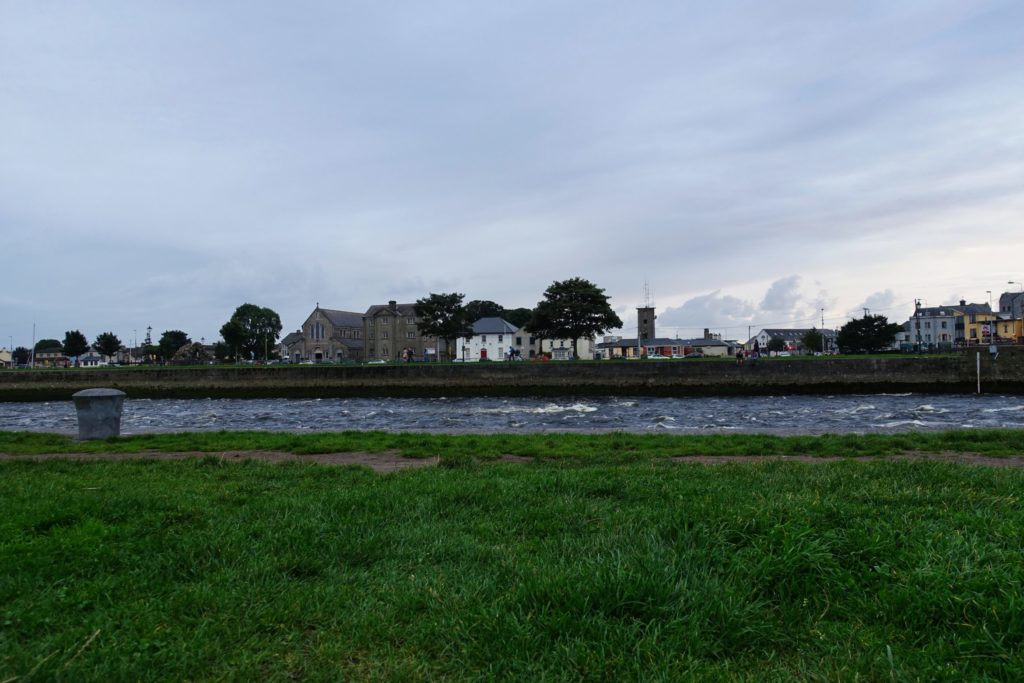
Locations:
(592, 448)
(202, 570)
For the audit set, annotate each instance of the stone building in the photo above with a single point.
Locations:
(327, 335)
(389, 329)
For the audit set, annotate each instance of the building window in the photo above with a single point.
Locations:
(501, 338)
(974, 333)
(519, 341)
(943, 324)
(483, 338)
(385, 320)
(410, 321)
(410, 335)
(928, 324)
(384, 334)
(371, 334)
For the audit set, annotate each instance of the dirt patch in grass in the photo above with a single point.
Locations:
(392, 461)
(386, 461)
(959, 458)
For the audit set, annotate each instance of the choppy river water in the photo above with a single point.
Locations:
(771, 414)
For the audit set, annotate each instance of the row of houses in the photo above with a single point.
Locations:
(938, 328)
(391, 332)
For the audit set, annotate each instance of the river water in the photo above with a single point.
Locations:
(767, 414)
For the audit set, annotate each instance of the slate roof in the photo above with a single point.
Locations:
(407, 310)
(343, 318)
(494, 326)
(936, 311)
(661, 341)
(795, 333)
(292, 338)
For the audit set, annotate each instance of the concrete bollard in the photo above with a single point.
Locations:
(99, 413)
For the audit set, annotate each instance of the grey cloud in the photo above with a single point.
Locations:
(346, 152)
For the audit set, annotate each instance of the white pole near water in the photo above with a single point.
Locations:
(978, 366)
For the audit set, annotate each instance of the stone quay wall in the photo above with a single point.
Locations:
(831, 375)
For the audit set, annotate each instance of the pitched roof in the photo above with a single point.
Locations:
(931, 311)
(794, 333)
(401, 309)
(494, 326)
(661, 341)
(343, 318)
(291, 338)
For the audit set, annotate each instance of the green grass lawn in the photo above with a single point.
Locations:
(614, 447)
(557, 570)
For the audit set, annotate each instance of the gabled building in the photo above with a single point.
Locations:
(492, 339)
(94, 359)
(791, 338)
(1012, 304)
(391, 330)
(327, 335)
(941, 328)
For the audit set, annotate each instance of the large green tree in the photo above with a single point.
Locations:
(170, 342)
(107, 344)
(21, 355)
(517, 316)
(252, 331)
(47, 345)
(444, 316)
(572, 309)
(812, 341)
(75, 344)
(477, 309)
(867, 334)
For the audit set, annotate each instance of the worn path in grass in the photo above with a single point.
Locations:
(391, 461)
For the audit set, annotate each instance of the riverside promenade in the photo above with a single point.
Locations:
(959, 373)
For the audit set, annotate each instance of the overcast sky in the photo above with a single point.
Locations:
(754, 162)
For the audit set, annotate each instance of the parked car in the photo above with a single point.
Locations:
(695, 354)
(655, 356)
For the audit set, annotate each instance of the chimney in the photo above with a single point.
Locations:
(393, 304)
(963, 302)
(707, 333)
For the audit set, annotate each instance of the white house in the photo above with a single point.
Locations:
(92, 359)
(561, 349)
(491, 340)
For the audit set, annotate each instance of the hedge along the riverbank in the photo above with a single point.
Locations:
(832, 375)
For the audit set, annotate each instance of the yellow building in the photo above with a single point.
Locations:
(979, 328)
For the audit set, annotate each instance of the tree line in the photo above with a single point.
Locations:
(570, 309)
(250, 333)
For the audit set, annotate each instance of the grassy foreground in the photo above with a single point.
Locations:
(559, 570)
(591, 448)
